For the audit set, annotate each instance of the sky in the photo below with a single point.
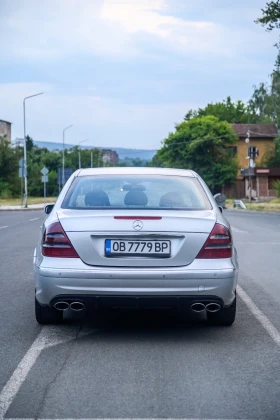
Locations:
(124, 72)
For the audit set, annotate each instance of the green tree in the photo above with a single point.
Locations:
(225, 111)
(9, 180)
(265, 101)
(272, 156)
(270, 16)
(29, 143)
(202, 144)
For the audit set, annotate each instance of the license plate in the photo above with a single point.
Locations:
(115, 247)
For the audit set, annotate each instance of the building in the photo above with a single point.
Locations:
(110, 156)
(6, 129)
(261, 138)
(262, 180)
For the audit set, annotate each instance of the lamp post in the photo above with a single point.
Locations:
(79, 152)
(24, 149)
(63, 159)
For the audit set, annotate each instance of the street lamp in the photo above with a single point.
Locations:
(24, 150)
(63, 161)
(79, 152)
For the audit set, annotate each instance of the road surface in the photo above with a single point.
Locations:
(142, 365)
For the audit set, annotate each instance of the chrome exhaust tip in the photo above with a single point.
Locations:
(198, 307)
(61, 306)
(213, 307)
(77, 306)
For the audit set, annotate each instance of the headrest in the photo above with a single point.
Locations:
(172, 199)
(136, 198)
(97, 198)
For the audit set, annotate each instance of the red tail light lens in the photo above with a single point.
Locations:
(56, 243)
(218, 244)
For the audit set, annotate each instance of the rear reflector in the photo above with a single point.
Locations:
(218, 244)
(56, 243)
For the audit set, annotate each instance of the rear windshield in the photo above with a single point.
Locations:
(136, 192)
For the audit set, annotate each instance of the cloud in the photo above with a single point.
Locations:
(125, 71)
(106, 122)
(53, 29)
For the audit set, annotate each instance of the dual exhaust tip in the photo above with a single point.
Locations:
(79, 306)
(75, 306)
(210, 307)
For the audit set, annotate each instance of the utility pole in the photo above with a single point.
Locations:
(247, 140)
(252, 154)
(24, 150)
(63, 158)
(91, 159)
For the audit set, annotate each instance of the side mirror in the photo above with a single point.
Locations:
(49, 208)
(220, 200)
(221, 209)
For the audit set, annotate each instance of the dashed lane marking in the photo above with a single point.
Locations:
(261, 317)
(3, 227)
(32, 220)
(48, 337)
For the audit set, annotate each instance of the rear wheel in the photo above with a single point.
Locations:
(224, 316)
(47, 315)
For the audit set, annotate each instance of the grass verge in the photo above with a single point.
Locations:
(273, 205)
(31, 200)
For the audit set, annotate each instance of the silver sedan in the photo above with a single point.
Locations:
(143, 237)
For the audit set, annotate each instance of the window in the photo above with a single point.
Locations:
(136, 192)
(253, 152)
(234, 150)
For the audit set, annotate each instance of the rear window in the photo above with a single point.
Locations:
(136, 192)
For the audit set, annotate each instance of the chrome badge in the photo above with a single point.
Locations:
(137, 225)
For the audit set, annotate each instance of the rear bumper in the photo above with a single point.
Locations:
(135, 302)
(82, 281)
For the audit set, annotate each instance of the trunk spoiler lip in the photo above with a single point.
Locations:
(138, 217)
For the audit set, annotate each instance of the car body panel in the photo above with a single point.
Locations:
(93, 274)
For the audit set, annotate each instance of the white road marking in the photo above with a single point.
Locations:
(32, 220)
(236, 230)
(257, 243)
(48, 337)
(261, 317)
(3, 227)
(51, 336)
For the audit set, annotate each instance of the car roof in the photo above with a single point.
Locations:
(136, 171)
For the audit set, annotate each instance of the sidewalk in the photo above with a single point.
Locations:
(30, 207)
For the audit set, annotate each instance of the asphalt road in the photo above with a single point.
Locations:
(142, 365)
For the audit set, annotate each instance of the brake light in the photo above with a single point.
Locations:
(218, 244)
(56, 243)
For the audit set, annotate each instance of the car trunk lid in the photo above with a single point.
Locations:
(185, 231)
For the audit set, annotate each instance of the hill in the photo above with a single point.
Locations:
(143, 154)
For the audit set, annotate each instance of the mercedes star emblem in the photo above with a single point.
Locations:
(137, 225)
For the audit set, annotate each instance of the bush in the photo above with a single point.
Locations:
(5, 190)
(276, 186)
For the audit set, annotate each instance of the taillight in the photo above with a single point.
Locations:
(218, 244)
(56, 243)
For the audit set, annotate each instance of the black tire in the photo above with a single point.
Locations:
(47, 315)
(224, 317)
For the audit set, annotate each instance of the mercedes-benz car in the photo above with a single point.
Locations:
(135, 237)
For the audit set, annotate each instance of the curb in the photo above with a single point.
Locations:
(18, 208)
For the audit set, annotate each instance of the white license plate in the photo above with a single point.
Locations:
(114, 247)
